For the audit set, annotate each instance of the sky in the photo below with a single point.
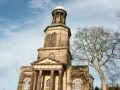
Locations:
(22, 24)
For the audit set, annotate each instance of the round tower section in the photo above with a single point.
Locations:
(59, 15)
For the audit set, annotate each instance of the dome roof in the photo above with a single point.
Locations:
(60, 7)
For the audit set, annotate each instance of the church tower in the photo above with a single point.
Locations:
(57, 35)
(53, 70)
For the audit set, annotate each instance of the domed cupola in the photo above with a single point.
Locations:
(59, 15)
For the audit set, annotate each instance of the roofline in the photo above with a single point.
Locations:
(56, 25)
(59, 9)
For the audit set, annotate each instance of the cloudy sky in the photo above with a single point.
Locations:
(22, 23)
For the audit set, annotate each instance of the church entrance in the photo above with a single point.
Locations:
(50, 81)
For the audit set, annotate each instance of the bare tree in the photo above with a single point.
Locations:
(97, 47)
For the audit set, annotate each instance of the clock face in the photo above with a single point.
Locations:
(51, 55)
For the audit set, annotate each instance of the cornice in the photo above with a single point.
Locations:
(53, 48)
(57, 25)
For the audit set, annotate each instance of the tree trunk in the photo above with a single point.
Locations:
(103, 79)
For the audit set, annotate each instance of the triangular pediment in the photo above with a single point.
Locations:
(48, 61)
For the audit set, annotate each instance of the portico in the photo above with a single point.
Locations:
(44, 72)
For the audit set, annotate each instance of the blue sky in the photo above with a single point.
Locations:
(22, 24)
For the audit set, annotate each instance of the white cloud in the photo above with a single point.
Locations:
(2, 19)
(39, 4)
(93, 12)
(19, 41)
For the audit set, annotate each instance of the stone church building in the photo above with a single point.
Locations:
(53, 69)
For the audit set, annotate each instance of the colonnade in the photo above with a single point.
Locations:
(37, 85)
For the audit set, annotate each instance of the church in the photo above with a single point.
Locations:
(53, 69)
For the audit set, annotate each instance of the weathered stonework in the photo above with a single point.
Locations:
(53, 70)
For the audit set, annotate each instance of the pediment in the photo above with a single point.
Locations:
(47, 61)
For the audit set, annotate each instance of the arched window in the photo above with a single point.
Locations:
(26, 85)
(50, 40)
(77, 84)
(53, 39)
(47, 40)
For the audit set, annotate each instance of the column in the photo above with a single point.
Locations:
(32, 80)
(52, 80)
(35, 80)
(60, 80)
(39, 80)
(20, 84)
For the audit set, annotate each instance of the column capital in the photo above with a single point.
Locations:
(40, 72)
(60, 72)
(34, 71)
(52, 71)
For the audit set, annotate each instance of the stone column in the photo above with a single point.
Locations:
(69, 80)
(52, 80)
(35, 80)
(39, 80)
(60, 80)
(20, 84)
(32, 81)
